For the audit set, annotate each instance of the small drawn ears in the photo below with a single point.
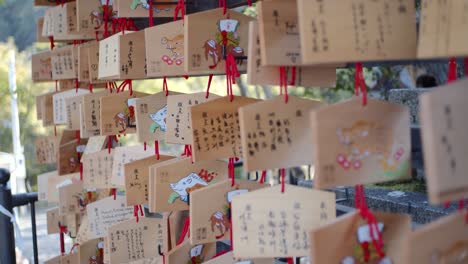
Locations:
(159, 251)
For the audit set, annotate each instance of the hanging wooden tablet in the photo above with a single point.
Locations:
(228, 258)
(137, 179)
(92, 110)
(176, 224)
(42, 184)
(268, 223)
(63, 62)
(82, 235)
(365, 31)
(215, 128)
(48, 109)
(443, 125)
(66, 136)
(122, 56)
(68, 157)
(83, 132)
(41, 67)
(165, 49)
(210, 211)
(118, 113)
(131, 240)
(358, 144)
(355, 234)
(64, 22)
(48, 27)
(156, 260)
(279, 33)
(123, 155)
(47, 2)
(322, 76)
(151, 117)
(71, 258)
(106, 212)
(90, 15)
(39, 26)
(274, 139)
(179, 129)
(72, 106)
(83, 61)
(55, 181)
(89, 251)
(53, 219)
(443, 27)
(72, 198)
(204, 48)
(97, 169)
(442, 241)
(60, 107)
(39, 106)
(175, 181)
(139, 8)
(93, 63)
(95, 144)
(45, 149)
(187, 253)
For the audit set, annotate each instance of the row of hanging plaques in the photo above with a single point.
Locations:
(100, 188)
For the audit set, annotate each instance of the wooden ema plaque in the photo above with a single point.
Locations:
(443, 123)
(373, 30)
(131, 240)
(442, 241)
(209, 209)
(215, 128)
(68, 156)
(442, 30)
(228, 258)
(274, 139)
(173, 181)
(118, 113)
(204, 49)
(41, 67)
(322, 76)
(97, 169)
(91, 106)
(358, 144)
(179, 129)
(137, 179)
(124, 155)
(354, 231)
(151, 117)
(130, 8)
(187, 253)
(268, 223)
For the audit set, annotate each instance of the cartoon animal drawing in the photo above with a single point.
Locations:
(186, 185)
(159, 119)
(227, 41)
(196, 255)
(365, 248)
(361, 141)
(144, 4)
(456, 254)
(121, 121)
(221, 221)
(176, 46)
(82, 201)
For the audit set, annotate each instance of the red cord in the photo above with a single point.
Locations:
(90, 196)
(52, 44)
(210, 78)
(62, 240)
(127, 82)
(135, 213)
(76, 85)
(180, 7)
(73, 247)
(144, 146)
(262, 178)
(106, 16)
(359, 83)
(150, 15)
(142, 213)
(452, 70)
(81, 171)
(290, 261)
(109, 144)
(156, 149)
(165, 87)
(223, 4)
(292, 82)
(230, 229)
(114, 193)
(90, 87)
(231, 74)
(231, 171)
(185, 230)
(466, 66)
(284, 83)
(283, 173)
(219, 254)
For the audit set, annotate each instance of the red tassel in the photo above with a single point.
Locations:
(452, 71)
(231, 74)
(359, 83)
(210, 78)
(150, 15)
(114, 193)
(165, 87)
(180, 7)
(184, 232)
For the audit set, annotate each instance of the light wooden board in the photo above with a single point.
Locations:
(124, 155)
(356, 144)
(46, 149)
(130, 8)
(228, 258)
(41, 67)
(97, 169)
(184, 252)
(60, 106)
